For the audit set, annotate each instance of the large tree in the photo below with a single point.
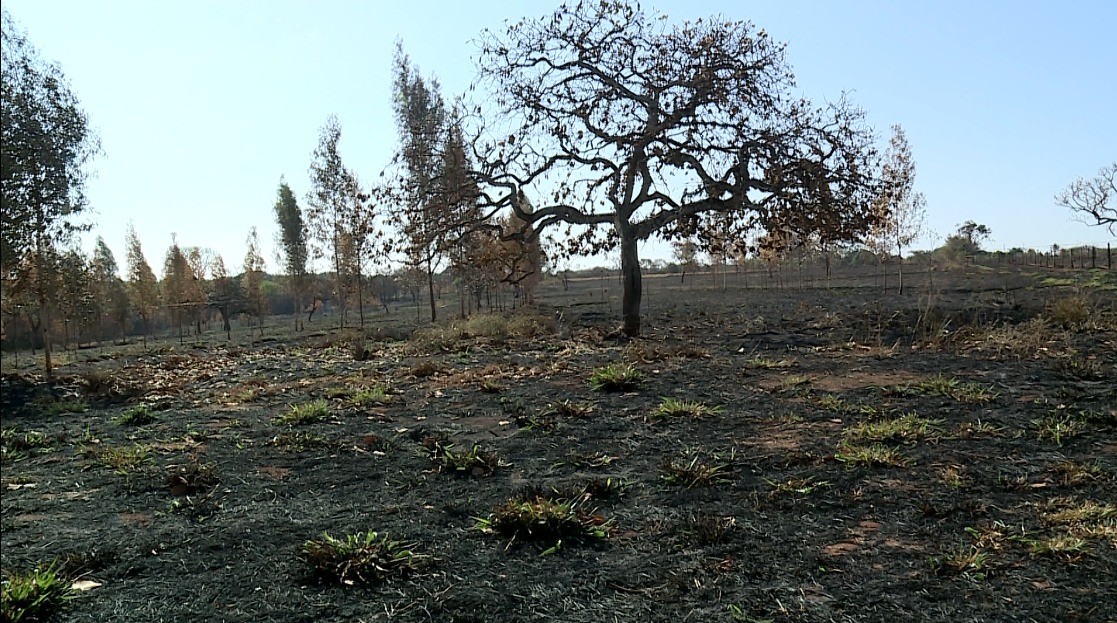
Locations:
(1093, 200)
(331, 202)
(45, 142)
(626, 122)
(292, 236)
(901, 210)
(111, 291)
(176, 284)
(254, 279)
(422, 213)
(143, 289)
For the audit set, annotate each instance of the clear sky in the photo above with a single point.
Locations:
(202, 106)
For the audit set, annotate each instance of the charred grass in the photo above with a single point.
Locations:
(504, 470)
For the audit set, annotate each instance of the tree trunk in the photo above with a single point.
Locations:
(900, 268)
(44, 326)
(633, 286)
(430, 288)
(360, 298)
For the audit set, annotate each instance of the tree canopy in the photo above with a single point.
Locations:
(633, 126)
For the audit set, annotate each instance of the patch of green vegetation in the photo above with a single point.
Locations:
(694, 470)
(15, 445)
(908, 427)
(306, 413)
(139, 415)
(675, 408)
(368, 396)
(837, 404)
(34, 596)
(52, 409)
(1058, 427)
(941, 385)
(544, 519)
(542, 423)
(767, 363)
(798, 486)
(874, 455)
(361, 558)
(471, 462)
(962, 560)
(1063, 545)
(125, 459)
(616, 377)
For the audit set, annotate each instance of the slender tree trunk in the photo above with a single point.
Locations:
(900, 268)
(430, 288)
(44, 326)
(360, 298)
(633, 286)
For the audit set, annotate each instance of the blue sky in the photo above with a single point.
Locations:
(202, 106)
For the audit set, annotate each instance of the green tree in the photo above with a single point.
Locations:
(176, 283)
(423, 208)
(45, 143)
(224, 294)
(143, 288)
(254, 279)
(75, 296)
(636, 126)
(292, 235)
(112, 293)
(331, 201)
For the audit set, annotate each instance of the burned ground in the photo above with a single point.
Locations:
(840, 455)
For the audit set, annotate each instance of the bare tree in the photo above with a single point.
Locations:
(624, 122)
(900, 210)
(1093, 200)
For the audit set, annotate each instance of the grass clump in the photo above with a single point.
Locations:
(874, 455)
(1058, 428)
(15, 445)
(616, 377)
(125, 459)
(471, 462)
(964, 560)
(947, 387)
(768, 363)
(705, 529)
(1069, 312)
(545, 518)
(192, 477)
(693, 470)
(907, 427)
(675, 408)
(139, 415)
(569, 408)
(361, 558)
(369, 396)
(1073, 474)
(306, 413)
(34, 596)
(52, 409)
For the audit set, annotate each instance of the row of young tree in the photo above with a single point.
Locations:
(602, 125)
